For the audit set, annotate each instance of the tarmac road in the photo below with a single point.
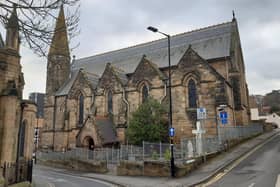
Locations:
(260, 169)
(43, 177)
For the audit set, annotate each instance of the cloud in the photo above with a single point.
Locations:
(114, 24)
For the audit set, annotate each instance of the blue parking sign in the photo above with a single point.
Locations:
(224, 121)
(171, 132)
(224, 117)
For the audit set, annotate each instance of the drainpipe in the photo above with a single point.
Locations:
(127, 104)
(164, 95)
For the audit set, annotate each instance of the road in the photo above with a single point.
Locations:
(260, 169)
(45, 177)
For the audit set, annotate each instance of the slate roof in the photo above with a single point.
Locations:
(106, 130)
(121, 75)
(66, 87)
(210, 43)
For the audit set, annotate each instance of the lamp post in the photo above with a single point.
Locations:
(172, 169)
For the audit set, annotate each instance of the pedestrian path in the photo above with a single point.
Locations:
(203, 173)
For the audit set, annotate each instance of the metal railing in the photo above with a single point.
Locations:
(187, 149)
(16, 172)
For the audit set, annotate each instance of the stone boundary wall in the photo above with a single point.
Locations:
(79, 165)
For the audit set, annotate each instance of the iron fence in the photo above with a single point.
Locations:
(17, 172)
(188, 148)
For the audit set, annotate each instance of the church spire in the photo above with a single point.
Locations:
(58, 68)
(12, 36)
(59, 45)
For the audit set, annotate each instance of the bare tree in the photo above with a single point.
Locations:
(37, 19)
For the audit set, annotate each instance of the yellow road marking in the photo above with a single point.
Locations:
(234, 164)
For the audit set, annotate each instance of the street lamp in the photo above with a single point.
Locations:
(153, 29)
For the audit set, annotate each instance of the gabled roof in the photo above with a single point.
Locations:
(115, 71)
(210, 43)
(155, 67)
(106, 130)
(66, 87)
(120, 74)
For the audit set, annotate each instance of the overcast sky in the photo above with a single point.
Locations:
(113, 24)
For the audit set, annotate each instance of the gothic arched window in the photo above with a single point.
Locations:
(22, 138)
(145, 93)
(192, 94)
(110, 102)
(81, 110)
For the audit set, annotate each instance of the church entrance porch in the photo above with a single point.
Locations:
(88, 142)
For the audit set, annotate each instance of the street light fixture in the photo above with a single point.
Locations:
(153, 29)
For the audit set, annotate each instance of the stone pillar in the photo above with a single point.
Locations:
(9, 126)
(29, 115)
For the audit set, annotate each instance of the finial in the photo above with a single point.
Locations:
(233, 15)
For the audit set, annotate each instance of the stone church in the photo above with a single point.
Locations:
(17, 116)
(89, 101)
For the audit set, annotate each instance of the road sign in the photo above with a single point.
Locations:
(201, 113)
(224, 117)
(171, 132)
(224, 121)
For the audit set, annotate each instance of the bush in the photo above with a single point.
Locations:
(148, 123)
(167, 155)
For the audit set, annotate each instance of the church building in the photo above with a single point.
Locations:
(89, 101)
(17, 116)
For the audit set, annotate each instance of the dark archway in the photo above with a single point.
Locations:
(90, 144)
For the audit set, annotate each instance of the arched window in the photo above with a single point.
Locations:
(145, 93)
(192, 94)
(110, 102)
(22, 138)
(81, 110)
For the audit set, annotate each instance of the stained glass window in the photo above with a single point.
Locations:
(192, 94)
(110, 102)
(145, 93)
(81, 110)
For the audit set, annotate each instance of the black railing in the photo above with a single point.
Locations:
(17, 172)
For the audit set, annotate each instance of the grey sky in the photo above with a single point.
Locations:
(112, 24)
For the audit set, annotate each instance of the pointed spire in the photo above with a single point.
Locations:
(233, 16)
(12, 36)
(13, 20)
(59, 45)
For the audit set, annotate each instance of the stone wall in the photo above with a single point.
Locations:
(29, 115)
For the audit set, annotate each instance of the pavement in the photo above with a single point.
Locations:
(261, 168)
(202, 174)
